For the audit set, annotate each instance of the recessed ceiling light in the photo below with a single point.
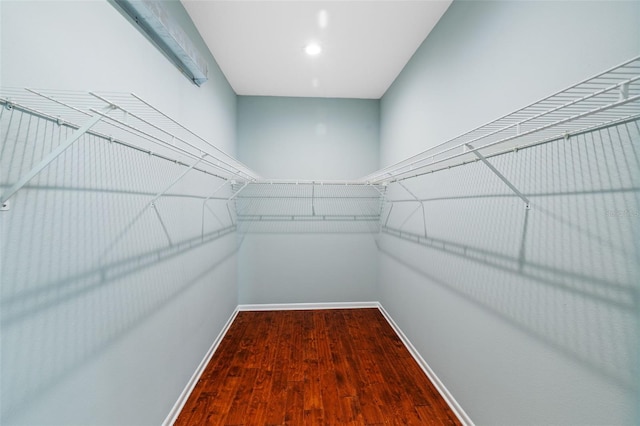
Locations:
(313, 49)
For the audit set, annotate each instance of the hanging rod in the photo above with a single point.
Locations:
(307, 218)
(320, 182)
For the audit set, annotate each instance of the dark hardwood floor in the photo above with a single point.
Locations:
(320, 367)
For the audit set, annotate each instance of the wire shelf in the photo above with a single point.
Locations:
(308, 207)
(606, 99)
(609, 98)
(127, 119)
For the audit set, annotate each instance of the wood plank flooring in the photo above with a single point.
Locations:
(320, 367)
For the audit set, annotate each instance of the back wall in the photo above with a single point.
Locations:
(307, 138)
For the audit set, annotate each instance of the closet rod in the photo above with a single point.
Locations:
(307, 218)
(312, 182)
(305, 197)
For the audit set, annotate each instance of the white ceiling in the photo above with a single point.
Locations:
(259, 45)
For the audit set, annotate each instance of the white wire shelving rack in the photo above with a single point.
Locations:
(609, 98)
(606, 99)
(326, 206)
(122, 118)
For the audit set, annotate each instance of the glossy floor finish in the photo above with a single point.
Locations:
(320, 367)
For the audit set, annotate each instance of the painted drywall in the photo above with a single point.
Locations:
(100, 50)
(107, 305)
(307, 268)
(528, 317)
(307, 138)
(487, 59)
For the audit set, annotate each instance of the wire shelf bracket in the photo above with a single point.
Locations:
(527, 204)
(175, 181)
(204, 205)
(53, 155)
(424, 214)
(237, 192)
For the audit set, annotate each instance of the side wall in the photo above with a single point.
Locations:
(528, 317)
(308, 138)
(107, 306)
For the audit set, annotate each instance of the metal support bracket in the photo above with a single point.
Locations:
(53, 155)
(424, 214)
(230, 215)
(374, 187)
(383, 196)
(152, 203)
(527, 204)
(204, 204)
(238, 192)
(176, 180)
(215, 191)
(388, 215)
(232, 198)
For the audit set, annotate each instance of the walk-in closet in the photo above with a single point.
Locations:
(319, 212)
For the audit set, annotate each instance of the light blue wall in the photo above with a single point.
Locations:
(488, 58)
(307, 268)
(527, 318)
(308, 138)
(536, 324)
(105, 317)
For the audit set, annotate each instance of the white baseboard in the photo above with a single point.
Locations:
(455, 407)
(184, 396)
(191, 384)
(304, 306)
